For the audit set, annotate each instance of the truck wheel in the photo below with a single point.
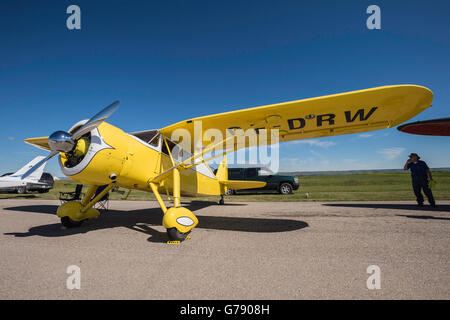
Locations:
(285, 188)
(21, 190)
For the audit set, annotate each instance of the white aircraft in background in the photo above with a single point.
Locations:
(14, 182)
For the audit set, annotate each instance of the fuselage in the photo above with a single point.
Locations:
(113, 154)
(9, 182)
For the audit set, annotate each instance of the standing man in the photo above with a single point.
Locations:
(420, 174)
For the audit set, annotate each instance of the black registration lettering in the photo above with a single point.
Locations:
(325, 117)
(360, 114)
(297, 123)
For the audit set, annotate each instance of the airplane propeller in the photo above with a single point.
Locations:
(62, 141)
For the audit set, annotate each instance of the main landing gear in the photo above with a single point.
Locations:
(178, 221)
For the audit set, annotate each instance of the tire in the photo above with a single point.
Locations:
(230, 192)
(22, 190)
(175, 235)
(69, 223)
(285, 188)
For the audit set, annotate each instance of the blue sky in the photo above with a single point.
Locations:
(171, 60)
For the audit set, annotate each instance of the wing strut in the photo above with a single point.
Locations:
(190, 162)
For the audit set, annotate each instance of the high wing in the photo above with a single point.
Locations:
(337, 114)
(345, 113)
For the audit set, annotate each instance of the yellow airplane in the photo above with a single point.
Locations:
(97, 153)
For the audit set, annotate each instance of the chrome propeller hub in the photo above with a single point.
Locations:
(61, 141)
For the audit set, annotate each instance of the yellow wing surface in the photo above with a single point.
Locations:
(345, 113)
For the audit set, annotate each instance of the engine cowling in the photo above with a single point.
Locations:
(97, 157)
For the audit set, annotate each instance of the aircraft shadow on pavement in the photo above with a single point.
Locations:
(423, 217)
(25, 196)
(142, 219)
(46, 209)
(394, 206)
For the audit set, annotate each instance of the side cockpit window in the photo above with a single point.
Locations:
(155, 140)
(171, 145)
(176, 150)
(151, 137)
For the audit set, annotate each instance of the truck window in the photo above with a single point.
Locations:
(252, 172)
(265, 172)
(234, 174)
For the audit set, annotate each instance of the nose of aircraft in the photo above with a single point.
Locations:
(61, 141)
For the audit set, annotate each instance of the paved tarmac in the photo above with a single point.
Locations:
(254, 250)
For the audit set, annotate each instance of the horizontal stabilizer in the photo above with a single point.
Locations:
(239, 185)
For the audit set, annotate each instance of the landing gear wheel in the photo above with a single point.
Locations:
(21, 190)
(175, 235)
(221, 201)
(69, 223)
(285, 188)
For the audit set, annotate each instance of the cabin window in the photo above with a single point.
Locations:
(151, 137)
(155, 141)
(171, 145)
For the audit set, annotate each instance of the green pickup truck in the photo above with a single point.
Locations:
(282, 184)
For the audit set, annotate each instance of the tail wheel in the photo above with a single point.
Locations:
(285, 188)
(175, 235)
(229, 192)
(69, 223)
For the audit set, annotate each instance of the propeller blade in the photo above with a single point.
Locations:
(37, 165)
(96, 120)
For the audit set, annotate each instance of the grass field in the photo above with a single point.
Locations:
(352, 187)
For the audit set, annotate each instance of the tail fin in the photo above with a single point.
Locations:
(36, 174)
(222, 176)
(222, 171)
